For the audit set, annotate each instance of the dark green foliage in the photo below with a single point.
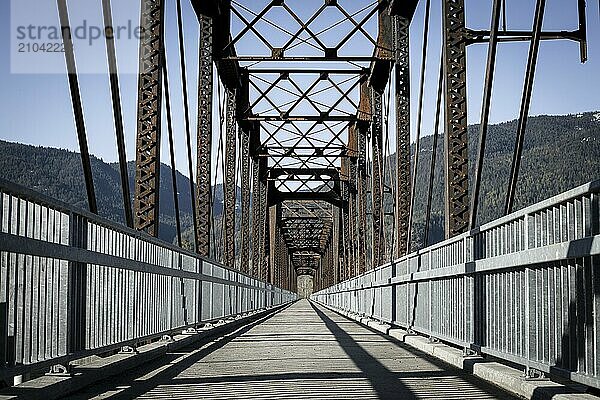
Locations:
(560, 152)
(57, 173)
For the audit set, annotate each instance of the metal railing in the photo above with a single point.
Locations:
(74, 284)
(524, 288)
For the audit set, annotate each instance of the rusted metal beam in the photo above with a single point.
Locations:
(245, 206)
(229, 192)
(384, 52)
(377, 180)
(456, 140)
(147, 177)
(204, 139)
(402, 98)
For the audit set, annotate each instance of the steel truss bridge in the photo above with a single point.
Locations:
(306, 101)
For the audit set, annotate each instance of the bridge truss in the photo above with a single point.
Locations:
(306, 128)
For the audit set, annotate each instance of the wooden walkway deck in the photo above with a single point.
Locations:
(302, 352)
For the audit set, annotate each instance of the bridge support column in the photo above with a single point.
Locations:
(352, 212)
(147, 177)
(377, 179)
(456, 141)
(345, 220)
(273, 216)
(352, 170)
(245, 184)
(335, 263)
(204, 158)
(402, 95)
(229, 192)
(361, 186)
(259, 217)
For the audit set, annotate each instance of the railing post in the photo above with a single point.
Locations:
(77, 288)
(595, 214)
(526, 232)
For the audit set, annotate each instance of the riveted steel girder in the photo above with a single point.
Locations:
(362, 190)
(259, 216)
(203, 161)
(147, 177)
(229, 193)
(456, 141)
(377, 179)
(402, 95)
(245, 186)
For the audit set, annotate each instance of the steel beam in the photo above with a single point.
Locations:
(147, 177)
(377, 179)
(264, 223)
(362, 196)
(256, 201)
(117, 110)
(402, 94)
(273, 215)
(259, 216)
(352, 193)
(245, 186)
(76, 103)
(525, 103)
(456, 141)
(229, 192)
(204, 160)
(346, 249)
(334, 251)
(485, 109)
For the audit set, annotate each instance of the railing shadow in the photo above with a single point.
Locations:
(388, 384)
(580, 318)
(170, 372)
(383, 381)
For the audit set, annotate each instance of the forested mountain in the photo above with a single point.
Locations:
(58, 174)
(560, 152)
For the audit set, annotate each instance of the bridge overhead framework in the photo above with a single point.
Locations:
(300, 107)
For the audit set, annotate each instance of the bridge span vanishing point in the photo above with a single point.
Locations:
(313, 262)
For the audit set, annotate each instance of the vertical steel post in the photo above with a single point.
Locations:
(352, 192)
(362, 197)
(203, 161)
(259, 215)
(77, 287)
(245, 184)
(256, 215)
(402, 94)
(456, 140)
(147, 177)
(377, 179)
(346, 242)
(352, 212)
(229, 192)
(264, 222)
(273, 248)
(337, 272)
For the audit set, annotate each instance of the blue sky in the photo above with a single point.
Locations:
(36, 108)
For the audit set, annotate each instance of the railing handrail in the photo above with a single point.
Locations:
(488, 292)
(59, 205)
(89, 262)
(590, 187)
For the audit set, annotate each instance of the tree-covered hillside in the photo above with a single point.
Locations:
(560, 152)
